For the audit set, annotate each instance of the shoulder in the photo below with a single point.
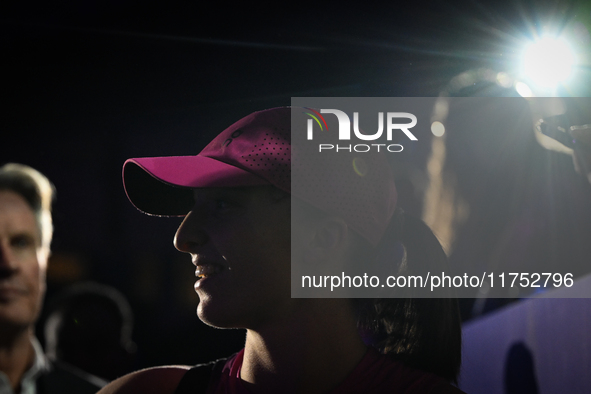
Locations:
(61, 377)
(161, 380)
(166, 380)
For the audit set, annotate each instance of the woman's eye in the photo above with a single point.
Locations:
(222, 204)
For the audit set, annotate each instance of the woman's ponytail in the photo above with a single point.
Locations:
(424, 333)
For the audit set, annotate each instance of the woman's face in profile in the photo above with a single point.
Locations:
(239, 241)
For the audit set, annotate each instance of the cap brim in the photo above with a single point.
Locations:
(163, 185)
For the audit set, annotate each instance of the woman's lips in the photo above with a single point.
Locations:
(207, 270)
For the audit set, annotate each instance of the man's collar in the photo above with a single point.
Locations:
(28, 380)
(40, 364)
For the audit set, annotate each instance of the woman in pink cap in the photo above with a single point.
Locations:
(256, 203)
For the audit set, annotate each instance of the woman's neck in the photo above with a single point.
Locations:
(311, 351)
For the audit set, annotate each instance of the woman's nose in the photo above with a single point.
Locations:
(190, 235)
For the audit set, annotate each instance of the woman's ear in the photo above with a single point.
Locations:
(317, 237)
(328, 241)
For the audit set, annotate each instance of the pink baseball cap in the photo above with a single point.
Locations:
(258, 150)
(253, 151)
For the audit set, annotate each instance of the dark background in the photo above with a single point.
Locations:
(88, 84)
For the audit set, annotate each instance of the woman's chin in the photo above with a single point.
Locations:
(216, 315)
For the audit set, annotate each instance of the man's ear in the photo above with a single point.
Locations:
(329, 240)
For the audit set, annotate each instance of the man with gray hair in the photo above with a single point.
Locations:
(25, 236)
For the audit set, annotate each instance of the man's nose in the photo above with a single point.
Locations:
(190, 235)
(7, 261)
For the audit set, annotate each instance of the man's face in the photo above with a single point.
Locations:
(23, 263)
(239, 240)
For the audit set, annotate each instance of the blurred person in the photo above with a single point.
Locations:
(238, 232)
(89, 326)
(520, 370)
(25, 236)
(581, 135)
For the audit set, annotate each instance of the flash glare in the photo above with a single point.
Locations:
(548, 61)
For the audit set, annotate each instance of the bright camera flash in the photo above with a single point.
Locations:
(548, 61)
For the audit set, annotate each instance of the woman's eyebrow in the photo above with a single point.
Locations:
(219, 193)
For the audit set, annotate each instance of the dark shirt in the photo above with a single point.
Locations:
(375, 374)
(47, 377)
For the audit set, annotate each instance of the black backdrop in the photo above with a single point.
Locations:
(86, 85)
